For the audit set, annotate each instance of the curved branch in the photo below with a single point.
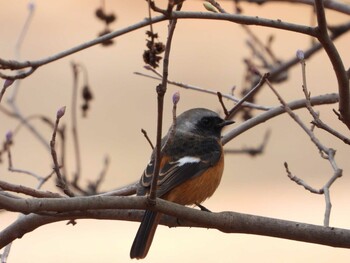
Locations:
(329, 4)
(337, 63)
(318, 100)
(240, 19)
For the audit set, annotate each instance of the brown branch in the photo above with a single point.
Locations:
(161, 90)
(93, 186)
(317, 121)
(329, 4)
(222, 104)
(251, 93)
(27, 190)
(251, 150)
(61, 183)
(228, 222)
(301, 182)
(273, 112)
(75, 135)
(240, 19)
(203, 90)
(326, 153)
(147, 138)
(338, 66)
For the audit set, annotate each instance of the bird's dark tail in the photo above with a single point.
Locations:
(145, 234)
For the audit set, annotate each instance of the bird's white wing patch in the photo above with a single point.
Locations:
(188, 159)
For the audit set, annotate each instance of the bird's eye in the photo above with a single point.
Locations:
(207, 122)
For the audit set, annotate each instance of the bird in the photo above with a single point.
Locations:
(191, 167)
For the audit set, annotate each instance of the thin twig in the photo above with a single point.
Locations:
(278, 110)
(27, 190)
(93, 187)
(222, 104)
(317, 121)
(61, 183)
(74, 115)
(147, 138)
(327, 153)
(301, 182)
(203, 90)
(237, 107)
(250, 150)
(161, 90)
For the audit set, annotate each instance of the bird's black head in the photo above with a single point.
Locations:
(202, 122)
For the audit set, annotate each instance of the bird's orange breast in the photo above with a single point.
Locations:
(199, 188)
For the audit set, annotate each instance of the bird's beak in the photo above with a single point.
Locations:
(225, 123)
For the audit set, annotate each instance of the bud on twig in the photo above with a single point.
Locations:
(61, 112)
(300, 55)
(8, 136)
(31, 6)
(209, 7)
(176, 97)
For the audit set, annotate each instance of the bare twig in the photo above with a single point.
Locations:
(240, 19)
(93, 187)
(237, 107)
(203, 90)
(317, 121)
(61, 183)
(74, 115)
(222, 104)
(250, 150)
(300, 181)
(161, 89)
(147, 138)
(341, 7)
(7, 148)
(273, 112)
(327, 153)
(27, 190)
(338, 66)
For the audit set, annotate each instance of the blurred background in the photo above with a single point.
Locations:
(208, 54)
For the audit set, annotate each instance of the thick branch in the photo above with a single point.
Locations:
(228, 222)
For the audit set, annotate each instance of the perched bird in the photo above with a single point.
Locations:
(191, 166)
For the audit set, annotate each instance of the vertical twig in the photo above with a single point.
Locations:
(161, 90)
(317, 121)
(61, 182)
(338, 66)
(326, 153)
(12, 98)
(75, 124)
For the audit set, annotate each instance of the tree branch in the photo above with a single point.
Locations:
(239, 19)
(228, 222)
(338, 66)
(297, 104)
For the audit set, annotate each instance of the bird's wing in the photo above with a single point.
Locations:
(175, 172)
